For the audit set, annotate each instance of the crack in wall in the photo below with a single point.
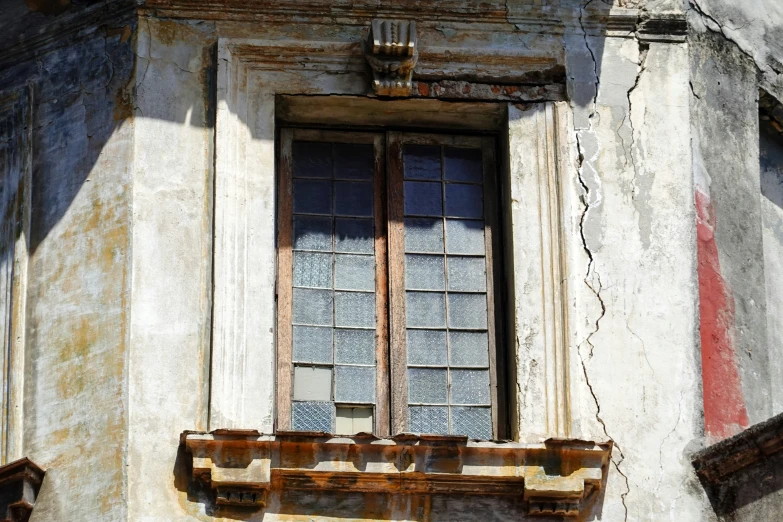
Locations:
(706, 17)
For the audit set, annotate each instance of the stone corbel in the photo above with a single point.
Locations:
(557, 477)
(392, 54)
(19, 484)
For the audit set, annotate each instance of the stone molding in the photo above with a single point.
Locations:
(557, 477)
(392, 54)
(19, 484)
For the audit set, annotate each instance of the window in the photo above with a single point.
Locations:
(385, 290)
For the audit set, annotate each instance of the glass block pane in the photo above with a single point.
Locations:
(428, 419)
(313, 233)
(312, 344)
(354, 346)
(312, 416)
(312, 270)
(468, 349)
(354, 235)
(470, 386)
(427, 310)
(354, 384)
(354, 272)
(464, 200)
(427, 347)
(465, 236)
(421, 161)
(424, 272)
(312, 196)
(354, 309)
(426, 385)
(423, 199)
(424, 235)
(476, 423)
(353, 198)
(312, 159)
(353, 161)
(468, 311)
(313, 307)
(464, 165)
(467, 274)
(312, 384)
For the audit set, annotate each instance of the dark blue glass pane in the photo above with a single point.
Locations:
(423, 199)
(313, 233)
(353, 161)
(353, 198)
(463, 165)
(464, 200)
(421, 161)
(312, 196)
(312, 159)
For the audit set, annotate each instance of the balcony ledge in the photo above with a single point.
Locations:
(556, 477)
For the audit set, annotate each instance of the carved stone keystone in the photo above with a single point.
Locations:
(19, 484)
(392, 53)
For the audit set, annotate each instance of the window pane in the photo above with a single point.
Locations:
(312, 344)
(428, 419)
(469, 386)
(312, 159)
(464, 237)
(468, 348)
(468, 311)
(423, 235)
(467, 274)
(354, 272)
(312, 196)
(464, 200)
(353, 161)
(426, 310)
(424, 272)
(427, 347)
(476, 423)
(421, 161)
(463, 165)
(354, 346)
(353, 198)
(312, 416)
(312, 270)
(312, 233)
(427, 385)
(312, 384)
(313, 307)
(423, 199)
(351, 421)
(354, 309)
(354, 384)
(354, 235)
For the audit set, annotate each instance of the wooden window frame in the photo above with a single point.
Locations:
(391, 407)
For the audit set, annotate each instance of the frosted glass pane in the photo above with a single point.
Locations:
(424, 272)
(312, 416)
(421, 161)
(312, 344)
(313, 307)
(469, 386)
(476, 423)
(350, 420)
(312, 196)
(354, 346)
(426, 310)
(426, 385)
(423, 199)
(312, 159)
(468, 348)
(354, 384)
(354, 235)
(468, 311)
(353, 161)
(312, 270)
(423, 235)
(465, 236)
(312, 384)
(354, 309)
(464, 165)
(467, 274)
(464, 200)
(353, 198)
(313, 233)
(428, 419)
(354, 272)
(427, 347)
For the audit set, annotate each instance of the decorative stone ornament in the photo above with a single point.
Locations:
(19, 484)
(392, 53)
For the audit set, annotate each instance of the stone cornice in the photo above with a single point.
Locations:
(556, 477)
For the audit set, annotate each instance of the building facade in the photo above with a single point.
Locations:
(361, 260)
